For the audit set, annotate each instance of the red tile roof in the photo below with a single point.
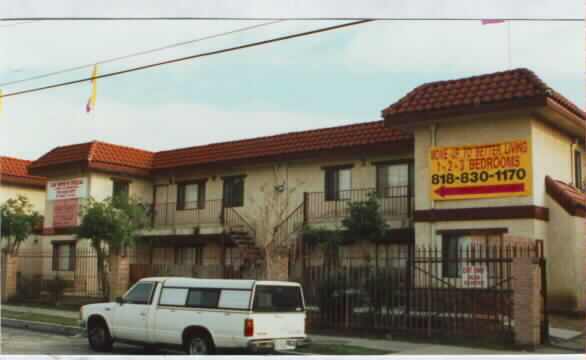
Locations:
(15, 171)
(501, 87)
(569, 197)
(96, 155)
(363, 134)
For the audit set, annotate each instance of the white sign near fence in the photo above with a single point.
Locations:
(475, 276)
(67, 189)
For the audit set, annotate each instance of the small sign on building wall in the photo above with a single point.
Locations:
(481, 171)
(67, 189)
(475, 276)
(65, 213)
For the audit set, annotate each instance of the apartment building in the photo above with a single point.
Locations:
(489, 158)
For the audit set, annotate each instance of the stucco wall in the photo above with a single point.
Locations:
(101, 186)
(264, 207)
(565, 260)
(552, 155)
(35, 196)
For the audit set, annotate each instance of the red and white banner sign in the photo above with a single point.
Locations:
(67, 189)
(475, 276)
(65, 213)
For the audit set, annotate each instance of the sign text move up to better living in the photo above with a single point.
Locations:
(481, 171)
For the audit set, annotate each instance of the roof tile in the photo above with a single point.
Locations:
(568, 196)
(16, 171)
(509, 85)
(313, 140)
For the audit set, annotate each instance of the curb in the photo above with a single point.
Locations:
(42, 327)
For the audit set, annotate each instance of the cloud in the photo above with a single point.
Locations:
(175, 125)
(434, 46)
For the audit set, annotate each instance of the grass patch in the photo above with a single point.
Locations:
(39, 318)
(340, 349)
(66, 307)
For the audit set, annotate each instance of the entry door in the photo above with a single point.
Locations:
(130, 320)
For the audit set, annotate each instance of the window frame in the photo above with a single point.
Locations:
(181, 194)
(578, 169)
(150, 299)
(197, 255)
(229, 201)
(380, 165)
(55, 255)
(125, 186)
(459, 233)
(332, 190)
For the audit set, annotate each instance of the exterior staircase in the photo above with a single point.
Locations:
(245, 241)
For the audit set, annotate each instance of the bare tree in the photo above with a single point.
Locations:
(271, 212)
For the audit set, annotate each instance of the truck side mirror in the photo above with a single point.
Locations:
(120, 300)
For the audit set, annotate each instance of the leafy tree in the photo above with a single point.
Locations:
(366, 220)
(329, 240)
(18, 221)
(110, 224)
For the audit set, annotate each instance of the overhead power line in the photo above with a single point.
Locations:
(144, 52)
(215, 52)
(17, 23)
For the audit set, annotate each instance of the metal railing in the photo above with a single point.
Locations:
(191, 213)
(395, 202)
(232, 218)
(288, 226)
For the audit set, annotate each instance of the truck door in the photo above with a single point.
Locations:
(130, 320)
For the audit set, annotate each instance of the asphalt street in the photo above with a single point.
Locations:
(21, 341)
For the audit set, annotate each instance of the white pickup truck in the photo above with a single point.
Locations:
(200, 315)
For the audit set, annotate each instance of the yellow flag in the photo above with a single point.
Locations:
(91, 103)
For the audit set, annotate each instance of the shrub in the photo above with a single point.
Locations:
(56, 288)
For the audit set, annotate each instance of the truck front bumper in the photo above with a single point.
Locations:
(286, 344)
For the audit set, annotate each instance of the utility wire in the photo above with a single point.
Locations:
(18, 23)
(144, 52)
(215, 52)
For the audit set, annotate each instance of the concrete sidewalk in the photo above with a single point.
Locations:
(562, 340)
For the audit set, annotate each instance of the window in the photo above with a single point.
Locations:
(63, 256)
(207, 298)
(277, 299)
(191, 196)
(394, 180)
(140, 294)
(234, 191)
(338, 183)
(578, 164)
(173, 297)
(185, 256)
(234, 299)
(120, 188)
(452, 248)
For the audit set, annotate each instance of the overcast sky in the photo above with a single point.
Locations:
(330, 79)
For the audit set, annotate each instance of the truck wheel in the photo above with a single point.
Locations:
(99, 337)
(198, 344)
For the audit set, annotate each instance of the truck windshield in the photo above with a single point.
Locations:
(269, 298)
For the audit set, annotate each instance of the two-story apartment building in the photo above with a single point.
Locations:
(518, 146)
